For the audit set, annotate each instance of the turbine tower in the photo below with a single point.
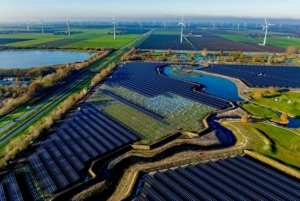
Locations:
(68, 25)
(114, 24)
(265, 27)
(42, 26)
(213, 25)
(182, 25)
(28, 28)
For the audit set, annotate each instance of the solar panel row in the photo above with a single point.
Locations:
(236, 178)
(259, 76)
(144, 79)
(85, 135)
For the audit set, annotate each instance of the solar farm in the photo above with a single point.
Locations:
(61, 160)
(196, 39)
(238, 178)
(168, 137)
(260, 76)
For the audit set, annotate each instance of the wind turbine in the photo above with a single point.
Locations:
(68, 25)
(238, 26)
(28, 28)
(245, 25)
(114, 24)
(182, 25)
(42, 26)
(265, 27)
(213, 25)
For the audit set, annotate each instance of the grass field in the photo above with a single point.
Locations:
(83, 38)
(262, 112)
(282, 104)
(275, 142)
(278, 41)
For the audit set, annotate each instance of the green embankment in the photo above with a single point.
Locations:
(276, 142)
(288, 102)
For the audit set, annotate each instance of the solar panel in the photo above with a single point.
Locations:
(2, 193)
(13, 189)
(56, 174)
(68, 154)
(98, 136)
(42, 174)
(81, 155)
(87, 137)
(61, 162)
(80, 141)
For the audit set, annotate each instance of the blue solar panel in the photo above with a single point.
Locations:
(61, 162)
(98, 136)
(81, 155)
(143, 78)
(80, 141)
(42, 174)
(56, 174)
(2, 193)
(259, 76)
(68, 154)
(13, 189)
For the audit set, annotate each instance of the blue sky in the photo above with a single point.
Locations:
(17, 10)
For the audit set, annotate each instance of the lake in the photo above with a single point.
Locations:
(215, 86)
(35, 58)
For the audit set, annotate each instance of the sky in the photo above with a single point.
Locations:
(18, 10)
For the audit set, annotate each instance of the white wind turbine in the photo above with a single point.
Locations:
(68, 25)
(213, 25)
(42, 26)
(245, 25)
(182, 25)
(28, 28)
(114, 24)
(238, 26)
(265, 27)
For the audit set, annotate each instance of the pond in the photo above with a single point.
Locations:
(215, 86)
(35, 58)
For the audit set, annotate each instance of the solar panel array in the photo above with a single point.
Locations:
(238, 178)
(144, 79)
(259, 76)
(87, 134)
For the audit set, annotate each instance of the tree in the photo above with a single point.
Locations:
(256, 58)
(258, 95)
(270, 59)
(244, 119)
(205, 52)
(291, 50)
(284, 117)
(191, 58)
(169, 51)
(221, 52)
(18, 79)
(272, 89)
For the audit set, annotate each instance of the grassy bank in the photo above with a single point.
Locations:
(288, 102)
(275, 142)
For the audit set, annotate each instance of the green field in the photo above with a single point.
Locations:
(83, 38)
(280, 102)
(278, 41)
(275, 142)
(262, 112)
